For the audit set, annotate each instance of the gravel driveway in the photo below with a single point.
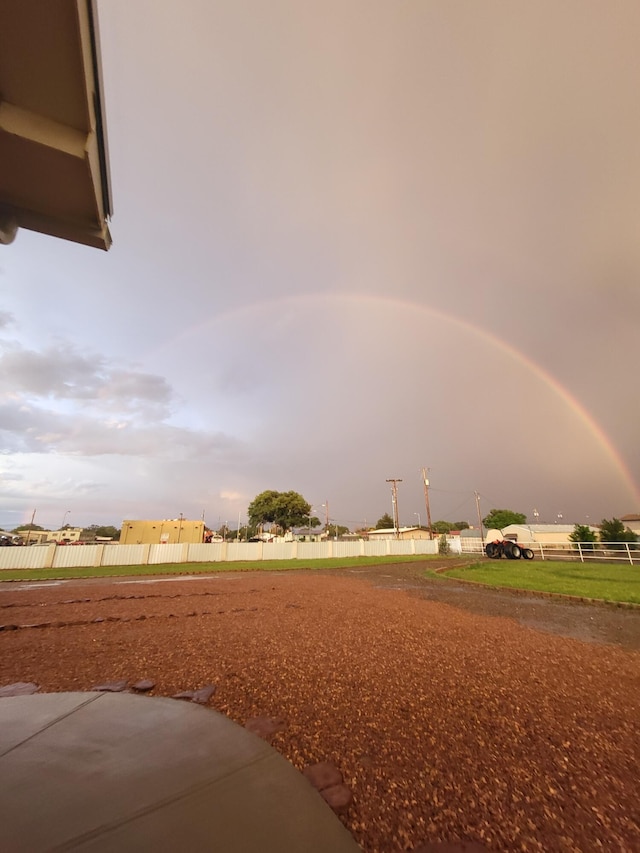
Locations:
(454, 713)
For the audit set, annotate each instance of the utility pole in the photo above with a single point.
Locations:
(394, 500)
(33, 515)
(479, 518)
(425, 481)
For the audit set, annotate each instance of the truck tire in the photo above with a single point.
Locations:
(493, 551)
(527, 553)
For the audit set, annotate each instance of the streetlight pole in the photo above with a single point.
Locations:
(479, 518)
(425, 483)
(64, 518)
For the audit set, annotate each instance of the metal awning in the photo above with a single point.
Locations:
(54, 168)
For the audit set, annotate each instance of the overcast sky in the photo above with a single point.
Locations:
(352, 238)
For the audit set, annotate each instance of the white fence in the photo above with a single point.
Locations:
(75, 556)
(611, 552)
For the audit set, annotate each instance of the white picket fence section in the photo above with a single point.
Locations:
(612, 552)
(85, 556)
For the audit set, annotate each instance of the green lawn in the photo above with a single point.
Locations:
(198, 568)
(611, 582)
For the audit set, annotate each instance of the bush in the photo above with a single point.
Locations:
(583, 536)
(614, 534)
(443, 546)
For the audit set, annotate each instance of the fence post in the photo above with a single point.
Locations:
(99, 552)
(145, 555)
(50, 556)
(629, 553)
(541, 551)
(580, 552)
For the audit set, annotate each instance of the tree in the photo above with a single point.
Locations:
(336, 530)
(615, 534)
(583, 535)
(104, 531)
(499, 518)
(444, 549)
(442, 526)
(286, 509)
(27, 527)
(385, 522)
(460, 525)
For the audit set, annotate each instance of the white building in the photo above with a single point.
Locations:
(402, 533)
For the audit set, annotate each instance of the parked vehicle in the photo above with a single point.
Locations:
(505, 547)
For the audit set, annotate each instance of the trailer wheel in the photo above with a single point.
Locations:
(516, 552)
(493, 551)
(527, 553)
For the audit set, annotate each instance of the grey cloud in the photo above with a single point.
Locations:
(61, 372)
(32, 429)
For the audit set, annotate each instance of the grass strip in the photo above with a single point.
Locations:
(606, 581)
(205, 568)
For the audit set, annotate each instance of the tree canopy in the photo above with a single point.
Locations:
(384, 522)
(105, 531)
(336, 530)
(499, 518)
(27, 527)
(614, 533)
(286, 509)
(584, 535)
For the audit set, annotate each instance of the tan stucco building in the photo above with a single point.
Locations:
(157, 532)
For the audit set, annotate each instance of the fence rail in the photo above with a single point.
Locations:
(583, 552)
(85, 556)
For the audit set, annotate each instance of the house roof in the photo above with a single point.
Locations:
(542, 528)
(632, 517)
(391, 530)
(54, 167)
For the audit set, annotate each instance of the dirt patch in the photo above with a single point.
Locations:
(447, 721)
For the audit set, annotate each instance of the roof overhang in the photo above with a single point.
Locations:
(54, 169)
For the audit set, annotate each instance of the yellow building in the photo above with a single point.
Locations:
(167, 531)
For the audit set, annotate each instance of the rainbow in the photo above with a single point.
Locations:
(358, 299)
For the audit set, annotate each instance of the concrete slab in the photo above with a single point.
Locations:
(29, 718)
(95, 771)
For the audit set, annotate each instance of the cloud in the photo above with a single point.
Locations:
(60, 400)
(35, 429)
(61, 372)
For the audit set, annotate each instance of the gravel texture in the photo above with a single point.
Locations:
(447, 724)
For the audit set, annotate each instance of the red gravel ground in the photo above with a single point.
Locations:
(447, 724)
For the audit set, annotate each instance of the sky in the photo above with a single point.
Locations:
(350, 240)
